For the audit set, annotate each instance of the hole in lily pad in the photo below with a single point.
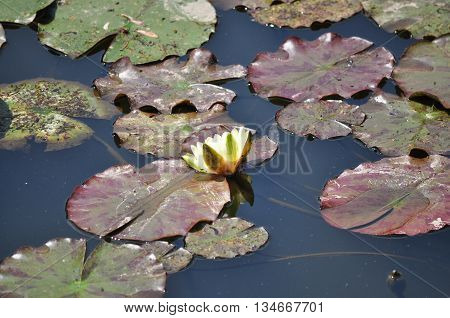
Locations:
(149, 109)
(362, 94)
(184, 107)
(123, 103)
(418, 153)
(280, 101)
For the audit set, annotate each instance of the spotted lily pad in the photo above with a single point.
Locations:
(2, 36)
(171, 83)
(163, 199)
(58, 269)
(226, 238)
(425, 70)
(144, 30)
(396, 125)
(309, 70)
(401, 195)
(21, 11)
(164, 135)
(420, 17)
(304, 13)
(173, 260)
(42, 109)
(323, 119)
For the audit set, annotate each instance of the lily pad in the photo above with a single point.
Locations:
(262, 149)
(164, 135)
(396, 125)
(42, 109)
(226, 238)
(323, 119)
(173, 260)
(401, 195)
(57, 269)
(21, 11)
(304, 13)
(425, 70)
(421, 18)
(144, 30)
(171, 83)
(249, 4)
(309, 70)
(2, 36)
(163, 199)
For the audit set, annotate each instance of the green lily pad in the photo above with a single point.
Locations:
(163, 199)
(420, 17)
(425, 70)
(396, 125)
(2, 36)
(173, 260)
(226, 238)
(21, 11)
(57, 269)
(310, 70)
(42, 109)
(170, 83)
(144, 30)
(323, 119)
(400, 195)
(304, 13)
(164, 135)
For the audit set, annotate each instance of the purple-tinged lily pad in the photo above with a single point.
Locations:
(420, 17)
(304, 13)
(425, 70)
(396, 125)
(226, 238)
(262, 149)
(173, 259)
(323, 119)
(163, 135)
(57, 269)
(43, 110)
(309, 70)
(249, 4)
(171, 83)
(400, 195)
(163, 199)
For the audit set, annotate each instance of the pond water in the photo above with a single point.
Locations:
(323, 261)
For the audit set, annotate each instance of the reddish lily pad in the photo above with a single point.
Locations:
(173, 260)
(44, 109)
(425, 70)
(226, 238)
(420, 17)
(323, 119)
(401, 195)
(171, 83)
(57, 269)
(163, 199)
(396, 125)
(164, 135)
(304, 13)
(309, 70)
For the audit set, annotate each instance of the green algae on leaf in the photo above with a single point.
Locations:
(163, 199)
(42, 109)
(226, 238)
(310, 70)
(396, 125)
(425, 70)
(21, 11)
(173, 259)
(304, 13)
(322, 119)
(143, 30)
(401, 195)
(58, 269)
(171, 83)
(420, 17)
(165, 135)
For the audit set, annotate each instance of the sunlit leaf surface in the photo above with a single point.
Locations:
(401, 195)
(58, 269)
(173, 259)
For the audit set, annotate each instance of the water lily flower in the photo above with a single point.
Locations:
(221, 154)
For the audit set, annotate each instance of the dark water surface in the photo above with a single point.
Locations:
(35, 185)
